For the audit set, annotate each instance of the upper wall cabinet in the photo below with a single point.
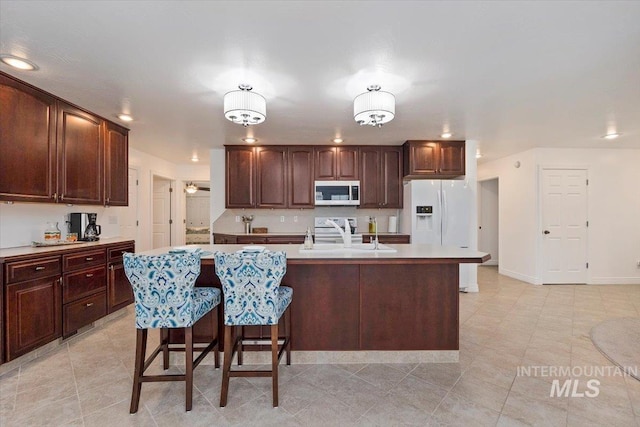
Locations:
(52, 151)
(336, 163)
(381, 177)
(80, 156)
(27, 143)
(116, 165)
(433, 159)
(276, 177)
(240, 177)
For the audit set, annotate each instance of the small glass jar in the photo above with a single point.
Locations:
(52, 232)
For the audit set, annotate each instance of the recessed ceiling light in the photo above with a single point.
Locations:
(125, 117)
(19, 63)
(612, 135)
(195, 158)
(249, 140)
(446, 135)
(338, 140)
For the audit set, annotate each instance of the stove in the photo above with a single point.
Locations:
(326, 233)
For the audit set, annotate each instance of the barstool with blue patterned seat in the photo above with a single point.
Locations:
(166, 297)
(253, 296)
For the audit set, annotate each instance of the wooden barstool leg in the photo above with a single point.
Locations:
(141, 347)
(240, 346)
(216, 349)
(228, 355)
(188, 356)
(164, 341)
(287, 322)
(274, 363)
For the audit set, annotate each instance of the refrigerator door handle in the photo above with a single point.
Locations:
(445, 214)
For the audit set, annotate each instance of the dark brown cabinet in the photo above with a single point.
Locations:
(269, 177)
(84, 289)
(337, 163)
(387, 238)
(119, 291)
(271, 174)
(33, 302)
(54, 152)
(381, 177)
(27, 143)
(300, 174)
(224, 239)
(80, 156)
(434, 159)
(240, 177)
(116, 165)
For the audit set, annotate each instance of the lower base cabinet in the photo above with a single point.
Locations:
(83, 312)
(119, 291)
(33, 315)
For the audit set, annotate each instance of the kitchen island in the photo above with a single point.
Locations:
(364, 306)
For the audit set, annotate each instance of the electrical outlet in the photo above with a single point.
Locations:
(295, 218)
(237, 218)
(282, 218)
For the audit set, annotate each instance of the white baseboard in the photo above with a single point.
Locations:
(529, 279)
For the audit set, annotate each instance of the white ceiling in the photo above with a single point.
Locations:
(511, 75)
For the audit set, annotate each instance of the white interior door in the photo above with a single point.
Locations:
(129, 223)
(161, 212)
(564, 225)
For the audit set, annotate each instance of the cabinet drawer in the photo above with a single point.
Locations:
(285, 240)
(83, 283)
(250, 240)
(84, 259)
(31, 269)
(115, 253)
(83, 312)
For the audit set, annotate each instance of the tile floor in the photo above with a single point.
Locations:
(87, 381)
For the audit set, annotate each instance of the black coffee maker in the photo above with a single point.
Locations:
(84, 224)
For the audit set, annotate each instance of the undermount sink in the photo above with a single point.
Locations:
(355, 248)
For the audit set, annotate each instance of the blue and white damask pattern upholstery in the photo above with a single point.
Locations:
(164, 290)
(251, 287)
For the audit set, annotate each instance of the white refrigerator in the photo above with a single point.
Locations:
(439, 212)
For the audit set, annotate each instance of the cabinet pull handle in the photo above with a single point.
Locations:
(89, 275)
(62, 197)
(111, 267)
(88, 259)
(89, 304)
(55, 196)
(40, 268)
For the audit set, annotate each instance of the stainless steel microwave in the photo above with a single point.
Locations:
(337, 193)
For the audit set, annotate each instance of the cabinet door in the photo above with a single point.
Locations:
(452, 158)
(325, 163)
(347, 163)
(391, 177)
(271, 174)
(240, 179)
(300, 163)
(116, 165)
(27, 143)
(33, 315)
(421, 158)
(119, 291)
(80, 156)
(370, 177)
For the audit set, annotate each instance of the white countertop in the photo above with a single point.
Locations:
(411, 252)
(30, 250)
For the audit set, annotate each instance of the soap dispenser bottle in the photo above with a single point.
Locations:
(308, 239)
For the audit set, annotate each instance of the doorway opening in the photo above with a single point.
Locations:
(489, 220)
(162, 211)
(197, 213)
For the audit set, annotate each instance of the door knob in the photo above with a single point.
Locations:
(546, 232)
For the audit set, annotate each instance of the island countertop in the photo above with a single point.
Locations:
(405, 254)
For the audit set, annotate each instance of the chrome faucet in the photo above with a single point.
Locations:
(345, 234)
